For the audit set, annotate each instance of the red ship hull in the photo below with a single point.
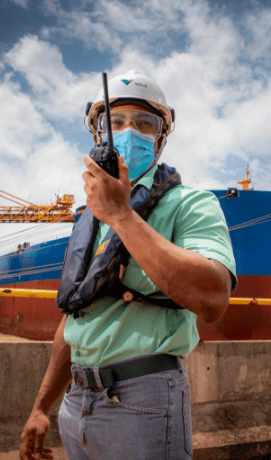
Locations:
(38, 319)
(32, 318)
(243, 322)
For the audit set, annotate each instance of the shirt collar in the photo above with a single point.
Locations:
(147, 179)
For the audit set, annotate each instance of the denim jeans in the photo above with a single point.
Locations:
(144, 418)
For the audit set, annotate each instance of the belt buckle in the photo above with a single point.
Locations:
(78, 379)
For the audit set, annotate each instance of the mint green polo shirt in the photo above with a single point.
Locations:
(114, 330)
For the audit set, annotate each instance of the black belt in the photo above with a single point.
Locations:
(112, 373)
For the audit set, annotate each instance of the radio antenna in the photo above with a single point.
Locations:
(107, 112)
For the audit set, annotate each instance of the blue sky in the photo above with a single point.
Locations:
(211, 59)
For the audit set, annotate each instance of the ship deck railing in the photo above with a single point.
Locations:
(51, 294)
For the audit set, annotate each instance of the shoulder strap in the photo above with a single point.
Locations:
(81, 283)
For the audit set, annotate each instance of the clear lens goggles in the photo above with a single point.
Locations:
(144, 122)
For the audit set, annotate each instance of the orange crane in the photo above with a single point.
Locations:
(245, 181)
(29, 212)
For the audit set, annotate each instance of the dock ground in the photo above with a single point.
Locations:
(58, 452)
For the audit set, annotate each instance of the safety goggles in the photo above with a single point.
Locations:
(144, 122)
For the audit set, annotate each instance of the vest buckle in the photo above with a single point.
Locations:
(128, 296)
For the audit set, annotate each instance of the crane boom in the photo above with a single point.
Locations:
(29, 212)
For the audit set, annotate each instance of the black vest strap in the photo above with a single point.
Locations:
(119, 291)
(84, 280)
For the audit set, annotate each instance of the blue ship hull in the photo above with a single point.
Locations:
(249, 221)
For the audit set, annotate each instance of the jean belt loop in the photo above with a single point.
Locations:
(180, 362)
(98, 378)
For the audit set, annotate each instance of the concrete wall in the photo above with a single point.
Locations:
(23, 367)
(230, 387)
(231, 399)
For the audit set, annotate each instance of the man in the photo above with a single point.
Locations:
(183, 253)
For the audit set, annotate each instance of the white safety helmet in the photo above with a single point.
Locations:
(127, 88)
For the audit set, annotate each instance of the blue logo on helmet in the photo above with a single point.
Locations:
(127, 82)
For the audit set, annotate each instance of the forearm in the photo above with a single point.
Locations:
(58, 374)
(188, 278)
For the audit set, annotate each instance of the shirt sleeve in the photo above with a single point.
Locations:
(200, 226)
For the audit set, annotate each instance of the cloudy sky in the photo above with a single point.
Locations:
(211, 58)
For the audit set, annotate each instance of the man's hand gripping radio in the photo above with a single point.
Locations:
(105, 155)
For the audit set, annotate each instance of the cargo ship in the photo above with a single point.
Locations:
(36, 263)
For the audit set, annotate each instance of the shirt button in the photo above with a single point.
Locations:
(78, 353)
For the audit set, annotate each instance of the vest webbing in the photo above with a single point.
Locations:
(83, 282)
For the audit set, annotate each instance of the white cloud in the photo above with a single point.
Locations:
(260, 174)
(250, 122)
(113, 24)
(22, 3)
(35, 159)
(57, 92)
(221, 107)
(40, 62)
(21, 124)
(55, 166)
(80, 26)
(259, 26)
(51, 6)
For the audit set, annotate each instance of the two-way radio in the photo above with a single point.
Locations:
(105, 155)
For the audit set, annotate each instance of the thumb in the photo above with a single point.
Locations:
(123, 170)
(39, 446)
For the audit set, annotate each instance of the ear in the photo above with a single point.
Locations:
(158, 143)
(163, 138)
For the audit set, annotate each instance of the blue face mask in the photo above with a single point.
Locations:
(137, 150)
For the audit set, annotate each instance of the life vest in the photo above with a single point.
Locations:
(82, 280)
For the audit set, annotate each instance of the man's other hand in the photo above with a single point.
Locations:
(32, 438)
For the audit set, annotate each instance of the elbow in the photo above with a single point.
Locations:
(208, 300)
(216, 302)
(211, 316)
(213, 313)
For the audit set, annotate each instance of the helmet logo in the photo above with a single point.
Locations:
(127, 82)
(141, 84)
